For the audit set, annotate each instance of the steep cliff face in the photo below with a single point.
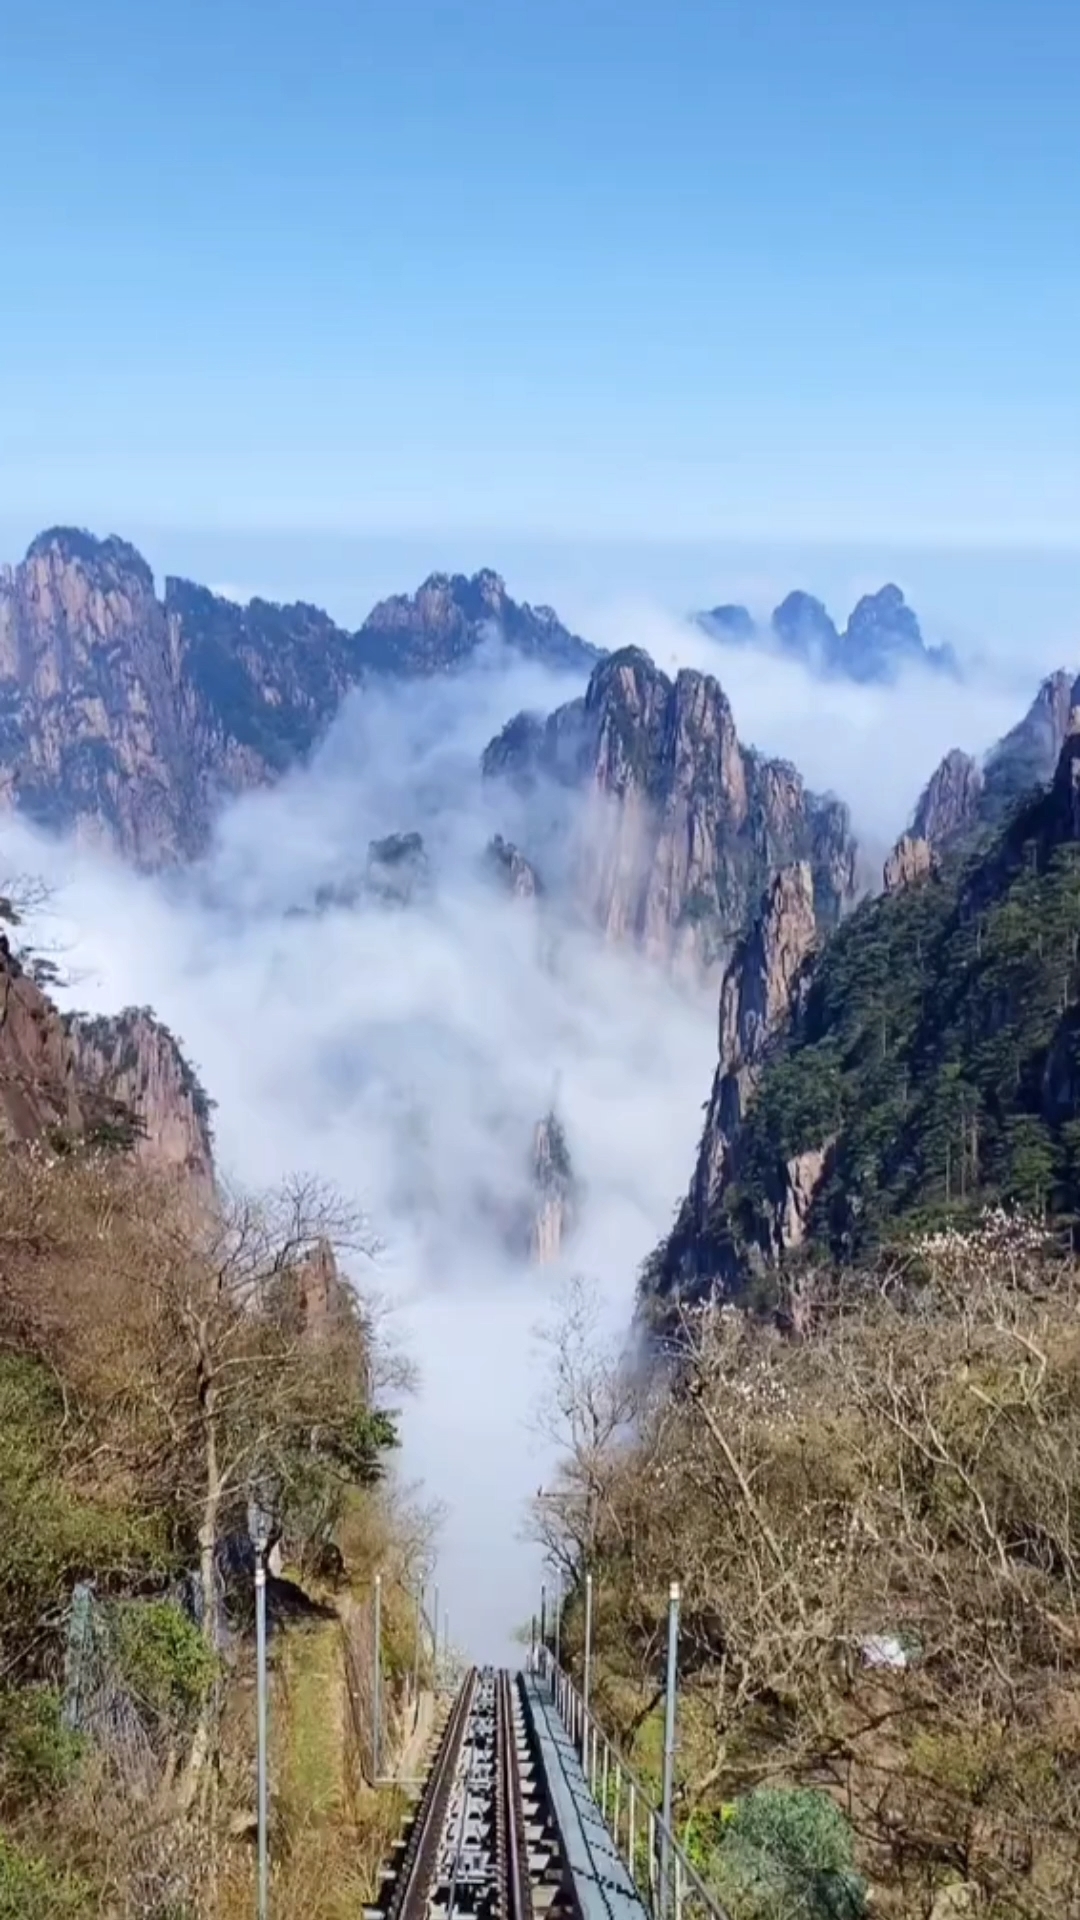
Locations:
(680, 826)
(129, 718)
(508, 865)
(132, 1061)
(928, 1066)
(121, 1080)
(909, 862)
(760, 993)
(948, 806)
(39, 1086)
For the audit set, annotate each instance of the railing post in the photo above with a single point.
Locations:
(587, 1664)
(669, 1742)
(376, 1685)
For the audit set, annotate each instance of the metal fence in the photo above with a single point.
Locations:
(669, 1886)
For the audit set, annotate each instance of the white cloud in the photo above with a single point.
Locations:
(407, 1056)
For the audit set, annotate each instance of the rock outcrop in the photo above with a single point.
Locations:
(39, 1086)
(910, 861)
(510, 868)
(679, 827)
(131, 1061)
(556, 1192)
(129, 718)
(758, 999)
(121, 1081)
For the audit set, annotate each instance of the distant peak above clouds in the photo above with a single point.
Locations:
(882, 636)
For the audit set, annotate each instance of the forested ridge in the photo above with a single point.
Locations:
(932, 1053)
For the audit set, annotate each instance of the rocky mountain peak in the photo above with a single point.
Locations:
(509, 865)
(804, 627)
(680, 827)
(450, 615)
(111, 562)
(949, 803)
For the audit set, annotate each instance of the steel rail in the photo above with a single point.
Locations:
(516, 1882)
(412, 1887)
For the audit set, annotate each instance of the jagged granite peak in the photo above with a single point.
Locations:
(911, 860)
(680, 827)
(130, 718)
(555, 1187)
(511, 868)
(883, 634)
(760, 992)
(949, 803)
(135, 1064)
(881, 637)
(450, 616)
(1026, 757)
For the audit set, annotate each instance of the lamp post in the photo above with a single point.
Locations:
(259, 1523)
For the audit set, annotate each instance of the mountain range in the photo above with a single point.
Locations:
(881, 639)
(863, 1045)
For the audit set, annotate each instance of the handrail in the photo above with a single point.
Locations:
(665, 1901)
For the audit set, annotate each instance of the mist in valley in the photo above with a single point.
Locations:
(406, 1053)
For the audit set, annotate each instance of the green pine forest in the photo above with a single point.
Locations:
(936, 1048)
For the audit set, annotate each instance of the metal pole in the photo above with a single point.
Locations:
(435, 1635)
(558, 1618)
(261, 1718)
(669, 1741)
(419, 1637)
(532, 1645)
(587, 1668)
(543, 1617)
(376, 1684)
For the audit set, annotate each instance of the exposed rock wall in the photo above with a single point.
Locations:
(133, 1061)
(680, 826)
(759, 993)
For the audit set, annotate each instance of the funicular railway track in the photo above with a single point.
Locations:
(480, 1844)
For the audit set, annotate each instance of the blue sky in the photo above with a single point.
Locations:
(582, 271)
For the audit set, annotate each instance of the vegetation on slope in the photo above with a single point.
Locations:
(875, 1529)
(935, 1052)
(155, 1362)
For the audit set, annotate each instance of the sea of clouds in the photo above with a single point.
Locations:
(406, 1055)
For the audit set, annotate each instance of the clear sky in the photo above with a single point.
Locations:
(574, 269)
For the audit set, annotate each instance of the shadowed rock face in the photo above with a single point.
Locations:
(508, 865)
(39, 1085)
(680, 826)
(757, 999)
(130, 718)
